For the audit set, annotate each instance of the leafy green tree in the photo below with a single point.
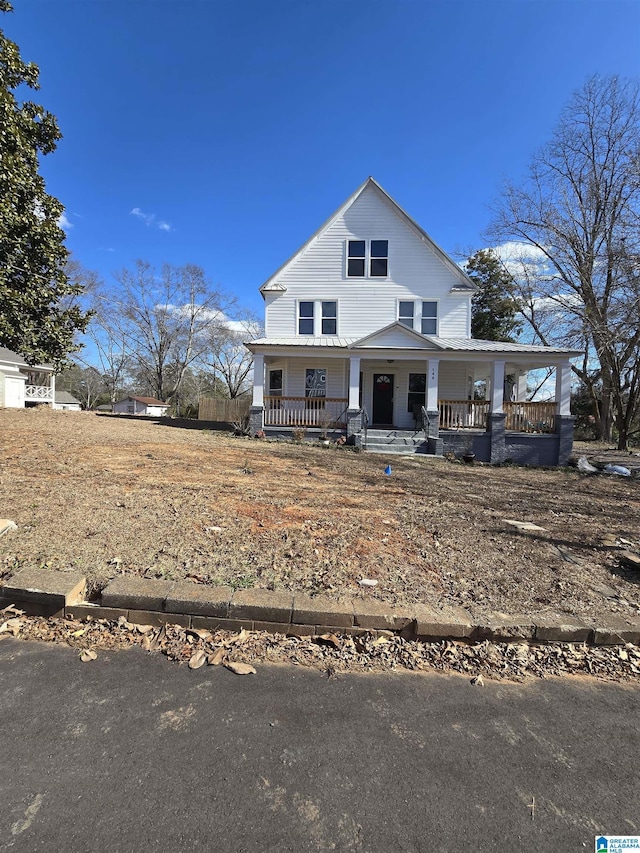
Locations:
(495, 309)
(38, 317)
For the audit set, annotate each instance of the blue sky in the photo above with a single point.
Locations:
(236, 128)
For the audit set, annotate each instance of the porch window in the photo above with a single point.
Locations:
(316, 382)
(357, 251)
(405, 314)
(275, 388)
(429, 318)
(305, 318)
(417, 391)
(379, 265)
(329, 318)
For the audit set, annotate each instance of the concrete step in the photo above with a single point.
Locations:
(377, 447)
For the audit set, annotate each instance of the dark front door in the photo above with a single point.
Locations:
(383, 399)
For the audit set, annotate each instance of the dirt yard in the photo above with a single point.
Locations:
(110, 496)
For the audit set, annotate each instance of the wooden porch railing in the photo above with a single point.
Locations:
(530, 417)
(463, 414)
(325, 412)
(521, 417)
(38, 392)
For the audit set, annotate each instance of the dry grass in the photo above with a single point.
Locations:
(107, 496)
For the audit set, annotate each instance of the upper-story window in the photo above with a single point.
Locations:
(305, 318)
(317, 317)
(419, 316)
(368, 258)
(405, 314)
(329, 318)
(429, 318)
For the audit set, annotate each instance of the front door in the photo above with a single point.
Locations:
(383, 399)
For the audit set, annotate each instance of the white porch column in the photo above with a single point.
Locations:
(354, 382)
(258, 379)
(497, 386)
(432, 385)
(563, 388)
(52, 382)
(521, 387)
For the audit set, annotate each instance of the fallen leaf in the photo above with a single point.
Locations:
(197, 660)
(478, 680)
(368, 582)
(146, 644)
(240, 668)
(144, 629)
(200, 633)
(242, 636)
(88, 655)
(216, 658)
(12, 625)
(328, 640)
(79, 632)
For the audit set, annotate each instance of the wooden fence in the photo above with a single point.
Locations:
(222, 409)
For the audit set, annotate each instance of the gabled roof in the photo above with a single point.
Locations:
(397, 336)
(66, 397)
(11, 357)
(147, 401)
(465, 283)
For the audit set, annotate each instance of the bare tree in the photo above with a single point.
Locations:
(231, 361)
(164, 321)
(579, 211)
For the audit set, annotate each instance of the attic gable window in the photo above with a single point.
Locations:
(367, 258)
(379, 266)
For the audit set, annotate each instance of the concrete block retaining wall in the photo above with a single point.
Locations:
(151, 602)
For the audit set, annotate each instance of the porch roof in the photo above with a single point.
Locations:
(431, 343)
(9, 357)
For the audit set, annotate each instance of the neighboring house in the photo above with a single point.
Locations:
(64, 400)
(368, 328)
(22, 384)
(141, 406)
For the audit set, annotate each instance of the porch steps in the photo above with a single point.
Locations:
(395, 441)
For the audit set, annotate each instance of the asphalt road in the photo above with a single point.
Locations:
(133, 753)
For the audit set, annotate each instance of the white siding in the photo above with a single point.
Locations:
(365, 305)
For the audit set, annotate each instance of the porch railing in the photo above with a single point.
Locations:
(324, 412)
(530, 417)
(38, 392)
(463, 414)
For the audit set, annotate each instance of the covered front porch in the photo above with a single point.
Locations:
(433, 399)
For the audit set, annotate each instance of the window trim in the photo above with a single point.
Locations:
(367, 259)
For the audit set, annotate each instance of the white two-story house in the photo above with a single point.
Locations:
(368, 329)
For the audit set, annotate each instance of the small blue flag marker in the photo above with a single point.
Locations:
(387, 470)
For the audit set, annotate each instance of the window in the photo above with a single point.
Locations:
(379, 258)
(417, 390)
(429, 318)
(367, 258)
(405, 314)
(305, 318)
(356, 258)
(329, 318)
(275, 383)
(316, 382)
